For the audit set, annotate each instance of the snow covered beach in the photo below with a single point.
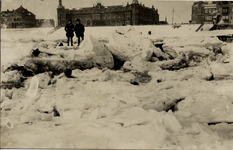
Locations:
(168, 90)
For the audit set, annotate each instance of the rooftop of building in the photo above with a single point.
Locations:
(101, 7)
(20, 10)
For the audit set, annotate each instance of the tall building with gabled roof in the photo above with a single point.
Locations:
(19, 18)
(198, 12)
(100, 15)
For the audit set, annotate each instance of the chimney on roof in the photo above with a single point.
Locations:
(135, 2)
(99, 5)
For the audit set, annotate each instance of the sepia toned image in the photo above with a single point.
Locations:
(125, 74)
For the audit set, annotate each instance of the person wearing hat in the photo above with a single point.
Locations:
(69, 32)
(79, 30)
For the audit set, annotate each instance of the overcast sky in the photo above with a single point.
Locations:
(47, 8)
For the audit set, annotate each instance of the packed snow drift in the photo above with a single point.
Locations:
(122, 88)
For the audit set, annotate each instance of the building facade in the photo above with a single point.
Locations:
(45, 23)
(198, 12)
(19, 18)
(210, 12)
(225, 12)
(6, 19)
(99, 15)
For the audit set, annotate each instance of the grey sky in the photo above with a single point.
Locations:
(47, 8)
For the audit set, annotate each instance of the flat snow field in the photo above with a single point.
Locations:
(172, 89)
(157, 31)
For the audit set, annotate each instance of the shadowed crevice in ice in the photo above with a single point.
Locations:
(222, 129)
(68, 73)
(226, 38)
(14, 76)
(36, 52)
(222, 77)
(215, 123)
(135, 83)
(118, 64)
(54, 111)
(23, 70)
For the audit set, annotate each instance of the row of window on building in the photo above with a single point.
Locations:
(117, 16)
(226, 10)
(16, 24)
(104, 17)
(225, 18)
(17, 19)
(210, 18)
(208, 12)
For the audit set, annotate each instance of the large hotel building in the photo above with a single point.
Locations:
(99, 15)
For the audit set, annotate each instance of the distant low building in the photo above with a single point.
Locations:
(19, 18)
(99, 15)
(163, 22)
(6, 19)
(45, 23)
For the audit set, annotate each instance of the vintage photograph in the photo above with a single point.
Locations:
(125, 74)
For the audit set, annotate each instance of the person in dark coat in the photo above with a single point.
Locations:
(79, 30)
(69, 32)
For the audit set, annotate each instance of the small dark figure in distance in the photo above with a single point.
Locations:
(69, 32)
(79, 30)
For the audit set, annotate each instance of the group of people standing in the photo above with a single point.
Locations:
(79, 30)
